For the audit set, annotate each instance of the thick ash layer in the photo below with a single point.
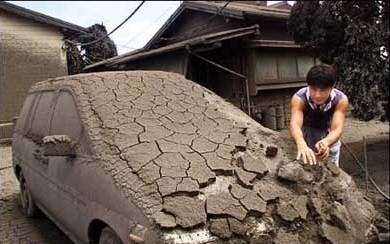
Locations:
(190, 160)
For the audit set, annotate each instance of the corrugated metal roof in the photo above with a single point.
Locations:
(205, 39)
(42, 18)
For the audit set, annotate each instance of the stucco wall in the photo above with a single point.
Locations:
(29, 52)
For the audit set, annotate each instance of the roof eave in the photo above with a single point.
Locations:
(42, 18)
(200, 6)
(209, 9)
(107, 61)
(166, 25)
(205, 39)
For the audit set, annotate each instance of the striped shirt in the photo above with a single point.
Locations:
(315, 116)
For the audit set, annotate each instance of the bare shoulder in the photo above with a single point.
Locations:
(297, 105)
(343, 103)
(344, 100)
(296, 100)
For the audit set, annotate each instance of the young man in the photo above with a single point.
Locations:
(317, 116)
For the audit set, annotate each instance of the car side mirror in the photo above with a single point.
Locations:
(59, 145)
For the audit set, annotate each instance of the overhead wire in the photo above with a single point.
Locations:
(125, 46)
(107, 35)
(152, 24)
(192, 31)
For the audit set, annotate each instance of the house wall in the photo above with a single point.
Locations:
(232, 88)
(277, 66)
(193, 23)
(171, 62)
(256, 3)
(29, 52)
(268, 67)
(227, 85)
(265, 101)
(271, 29)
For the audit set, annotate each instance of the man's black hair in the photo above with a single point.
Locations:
(321, 76)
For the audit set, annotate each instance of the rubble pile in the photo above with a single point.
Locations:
(202, 170)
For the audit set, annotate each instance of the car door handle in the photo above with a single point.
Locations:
(38, 155)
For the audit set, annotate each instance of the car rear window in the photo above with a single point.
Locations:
(21, 121)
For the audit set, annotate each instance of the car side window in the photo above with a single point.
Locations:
(42, 115)
(21, 121)
(66, 119)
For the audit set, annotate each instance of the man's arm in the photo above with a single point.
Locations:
(336, 128)
(296, 122)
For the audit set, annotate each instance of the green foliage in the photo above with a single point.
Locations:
(350, 35)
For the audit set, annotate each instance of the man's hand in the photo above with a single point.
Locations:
(323, 149)
(306, 153)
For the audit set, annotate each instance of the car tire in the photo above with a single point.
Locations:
(108, 236)
(28, 204)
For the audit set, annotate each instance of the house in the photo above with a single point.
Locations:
(241, 50)
(31, 50)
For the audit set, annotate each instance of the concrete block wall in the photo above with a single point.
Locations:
(273, 98)
(29, 52)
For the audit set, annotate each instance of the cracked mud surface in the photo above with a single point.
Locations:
(194, 163)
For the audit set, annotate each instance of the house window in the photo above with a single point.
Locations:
(280, 67)
(287, 67)
(21, 122)
(266, 68)
(304, 64)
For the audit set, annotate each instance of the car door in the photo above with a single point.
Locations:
(35, 166)
(66, 172)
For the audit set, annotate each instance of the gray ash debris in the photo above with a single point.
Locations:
(176, 147)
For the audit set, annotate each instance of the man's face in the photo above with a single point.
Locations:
(319, 95)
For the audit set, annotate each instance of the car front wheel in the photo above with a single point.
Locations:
(28, 204)
(108, 236)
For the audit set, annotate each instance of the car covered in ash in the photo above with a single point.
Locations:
(150, 157)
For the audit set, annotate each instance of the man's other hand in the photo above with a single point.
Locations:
(307, 154)
(322, 149)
